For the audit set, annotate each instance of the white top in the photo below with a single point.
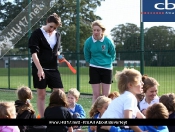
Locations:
(94, 40)
(72, 109)
(51, 39)
(126, 101)
(144, 105)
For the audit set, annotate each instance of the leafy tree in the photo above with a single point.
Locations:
(126, 38)
(121, 32)
(159, 44)
(159, 38)
(68, 15)
(131, 48)
(158, 41)
(66, 9)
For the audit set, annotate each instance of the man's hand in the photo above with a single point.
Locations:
(41, 74)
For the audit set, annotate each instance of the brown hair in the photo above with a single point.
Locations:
(25, 95)
(58, 98)
(55, 19)
(157, 111)
(6, 109)
(74, 92)
(98, 104)
(148, 82)
(113, 95)
(140, 97)
(169, 101)
(126, 76)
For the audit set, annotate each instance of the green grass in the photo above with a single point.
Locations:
(19, 76)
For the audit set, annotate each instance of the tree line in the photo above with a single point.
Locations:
(159, 44)
(159, 41)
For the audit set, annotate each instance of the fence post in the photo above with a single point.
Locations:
(29, 56)
(8, 72)
(142, 48)
(77, 43)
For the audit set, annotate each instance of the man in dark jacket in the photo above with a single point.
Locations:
(44, 45)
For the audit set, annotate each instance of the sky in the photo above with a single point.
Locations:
(115, 12)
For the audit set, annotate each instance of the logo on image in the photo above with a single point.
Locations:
(157, 11)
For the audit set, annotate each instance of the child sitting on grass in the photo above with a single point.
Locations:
(58, 109)
(156, 111)
(25, 109)
(150, 90)
(76, 110)
(169, 101)
(8, 111)
(125, 106)
(97, 110)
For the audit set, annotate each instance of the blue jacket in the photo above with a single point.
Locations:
(95, 117)
(153, 129)
(79, 109)
(144, 128)
(118, 129)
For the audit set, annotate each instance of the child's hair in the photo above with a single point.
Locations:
(126, 76)
(140, 97)
(74, 92)
(169, 101)
(148, 82)
(157, 111)
(25, 95)
(98, 104)
(58, 98)
(6, 109)
(55, 19)
(113, 95)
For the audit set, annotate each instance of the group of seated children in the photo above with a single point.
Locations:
(60, 107)
(156, 111)
(132, 104)
(128, 103)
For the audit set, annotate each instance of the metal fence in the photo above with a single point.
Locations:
(14, 70)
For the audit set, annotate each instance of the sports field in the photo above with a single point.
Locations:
(15, 77)
(19, 76)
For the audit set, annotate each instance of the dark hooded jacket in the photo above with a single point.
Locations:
(46, 55)
(24, 114)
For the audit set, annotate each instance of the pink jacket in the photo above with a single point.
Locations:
(9, 129)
